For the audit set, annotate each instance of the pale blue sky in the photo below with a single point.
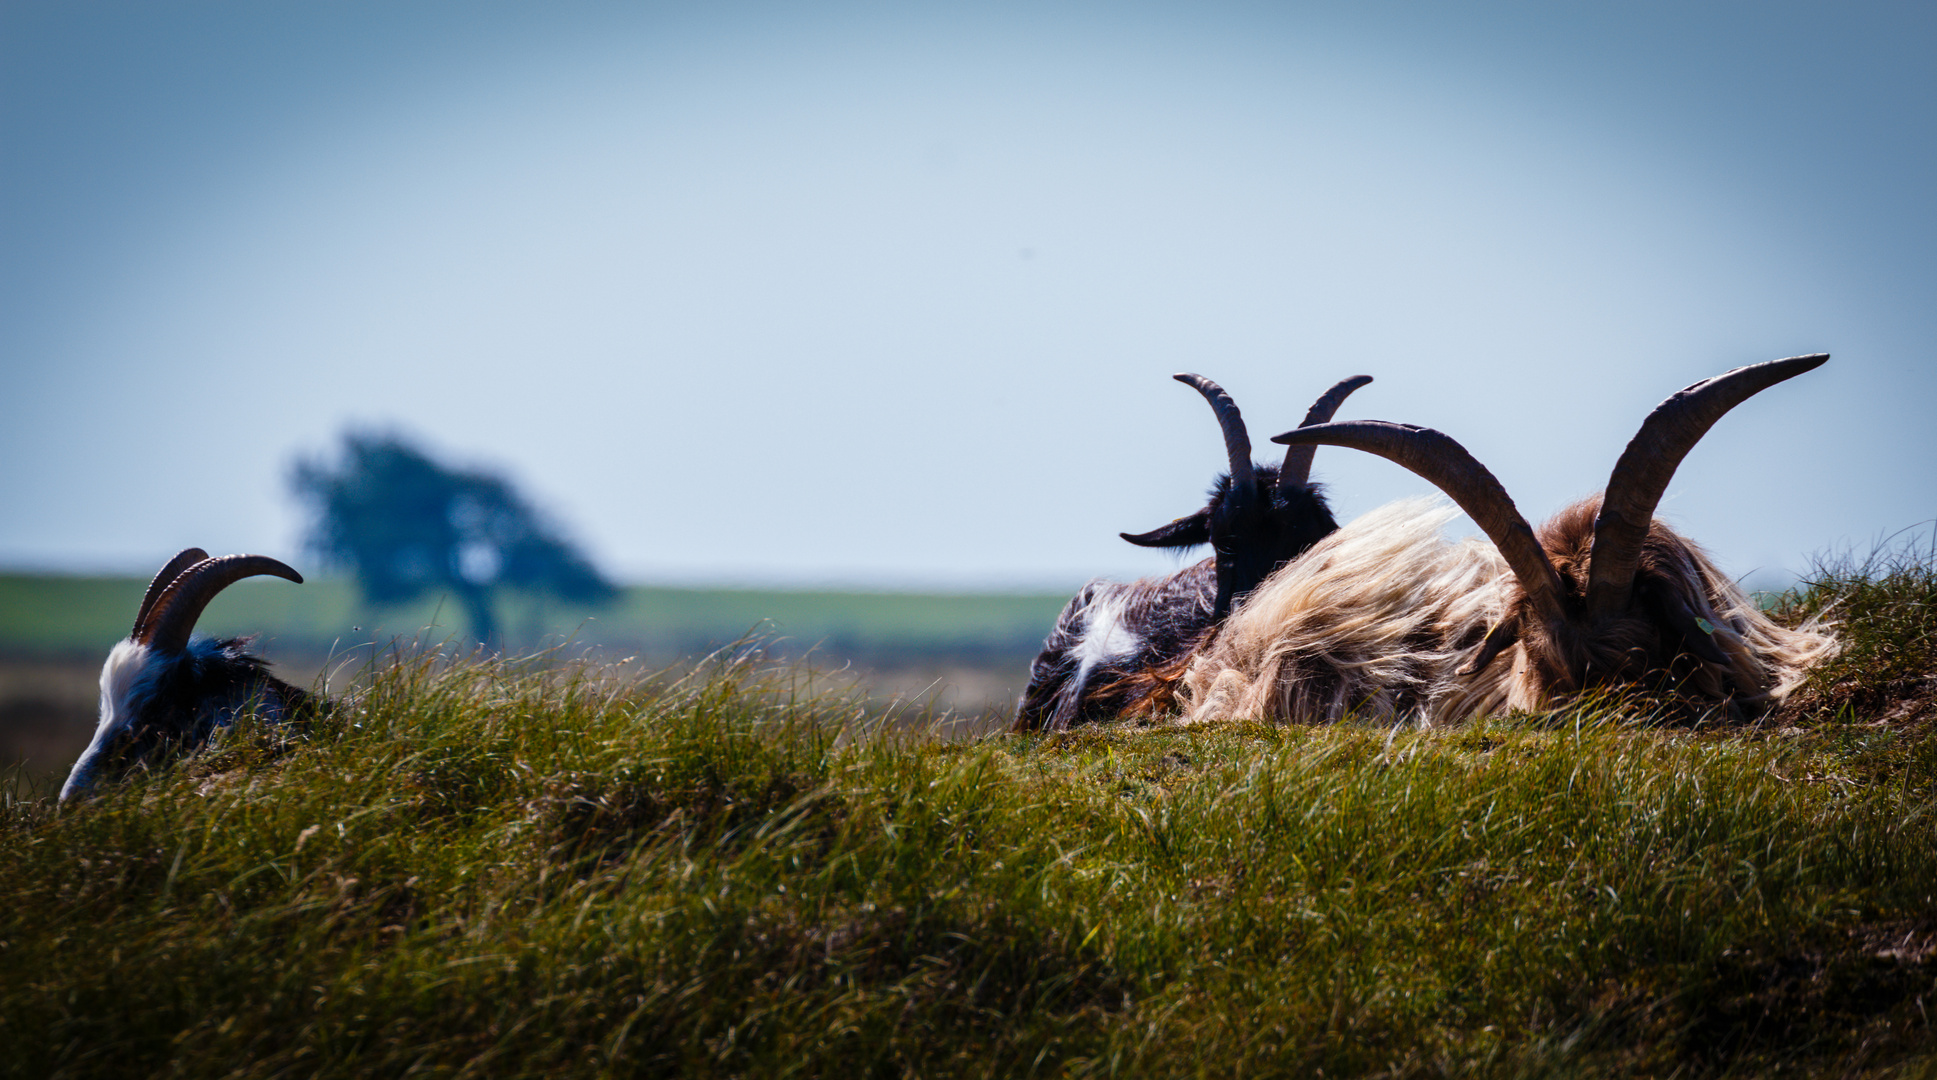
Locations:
(890, 294)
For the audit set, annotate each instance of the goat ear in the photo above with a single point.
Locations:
(1184, 532)
(1671, 609)
(1498, 640)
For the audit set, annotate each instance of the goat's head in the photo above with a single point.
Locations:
(1114, 645)
(1603, 593)
(1258, 517)
(162, 692)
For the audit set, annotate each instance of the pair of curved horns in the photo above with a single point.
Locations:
(182, 590)
(1237, 443)
(1628, 504)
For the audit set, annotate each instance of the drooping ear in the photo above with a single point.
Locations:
(1498, 640)
(1186, 531)
(1669, 608)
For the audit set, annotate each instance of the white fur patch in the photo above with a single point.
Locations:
(1106, 636)
(126, 663)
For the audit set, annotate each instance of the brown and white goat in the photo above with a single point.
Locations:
(1113, 638)
(161, 692)
(1389, 620)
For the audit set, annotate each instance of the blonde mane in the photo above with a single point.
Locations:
(1378, 620)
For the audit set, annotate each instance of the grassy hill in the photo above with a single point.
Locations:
(496, 869)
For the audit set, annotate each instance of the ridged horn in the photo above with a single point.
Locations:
(1297, 468)
(187, 558)
(1237, 444)
(1641, 476)
(1448, 467)
(172, 618)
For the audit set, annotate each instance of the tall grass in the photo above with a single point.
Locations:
(482, 868)
(1885, 605)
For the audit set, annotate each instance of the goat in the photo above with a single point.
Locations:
(1390, 620)
(1112, 639)
(162, 692)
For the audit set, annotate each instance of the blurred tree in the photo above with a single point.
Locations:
(406, 525)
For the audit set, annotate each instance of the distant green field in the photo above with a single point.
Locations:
(56, 615)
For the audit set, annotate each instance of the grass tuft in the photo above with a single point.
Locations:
(1885, 608)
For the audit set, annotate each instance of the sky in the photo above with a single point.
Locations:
(889, 295)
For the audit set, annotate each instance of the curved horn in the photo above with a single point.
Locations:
(1640, 477)
(1454, 471)
(1188, 531)
(188, 557)
(1237, 444)
(173, 616)
(1297, 468)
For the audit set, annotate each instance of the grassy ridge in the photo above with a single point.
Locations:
(488, 869)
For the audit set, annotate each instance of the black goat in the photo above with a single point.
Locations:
(1118, 647)
(161, 692)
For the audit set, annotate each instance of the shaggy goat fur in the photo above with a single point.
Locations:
(1372, 620)
(1110, 634)
(1603, 595)
(1690, 624)
(1380, 618)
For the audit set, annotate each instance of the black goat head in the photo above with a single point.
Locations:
(1258, 517)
